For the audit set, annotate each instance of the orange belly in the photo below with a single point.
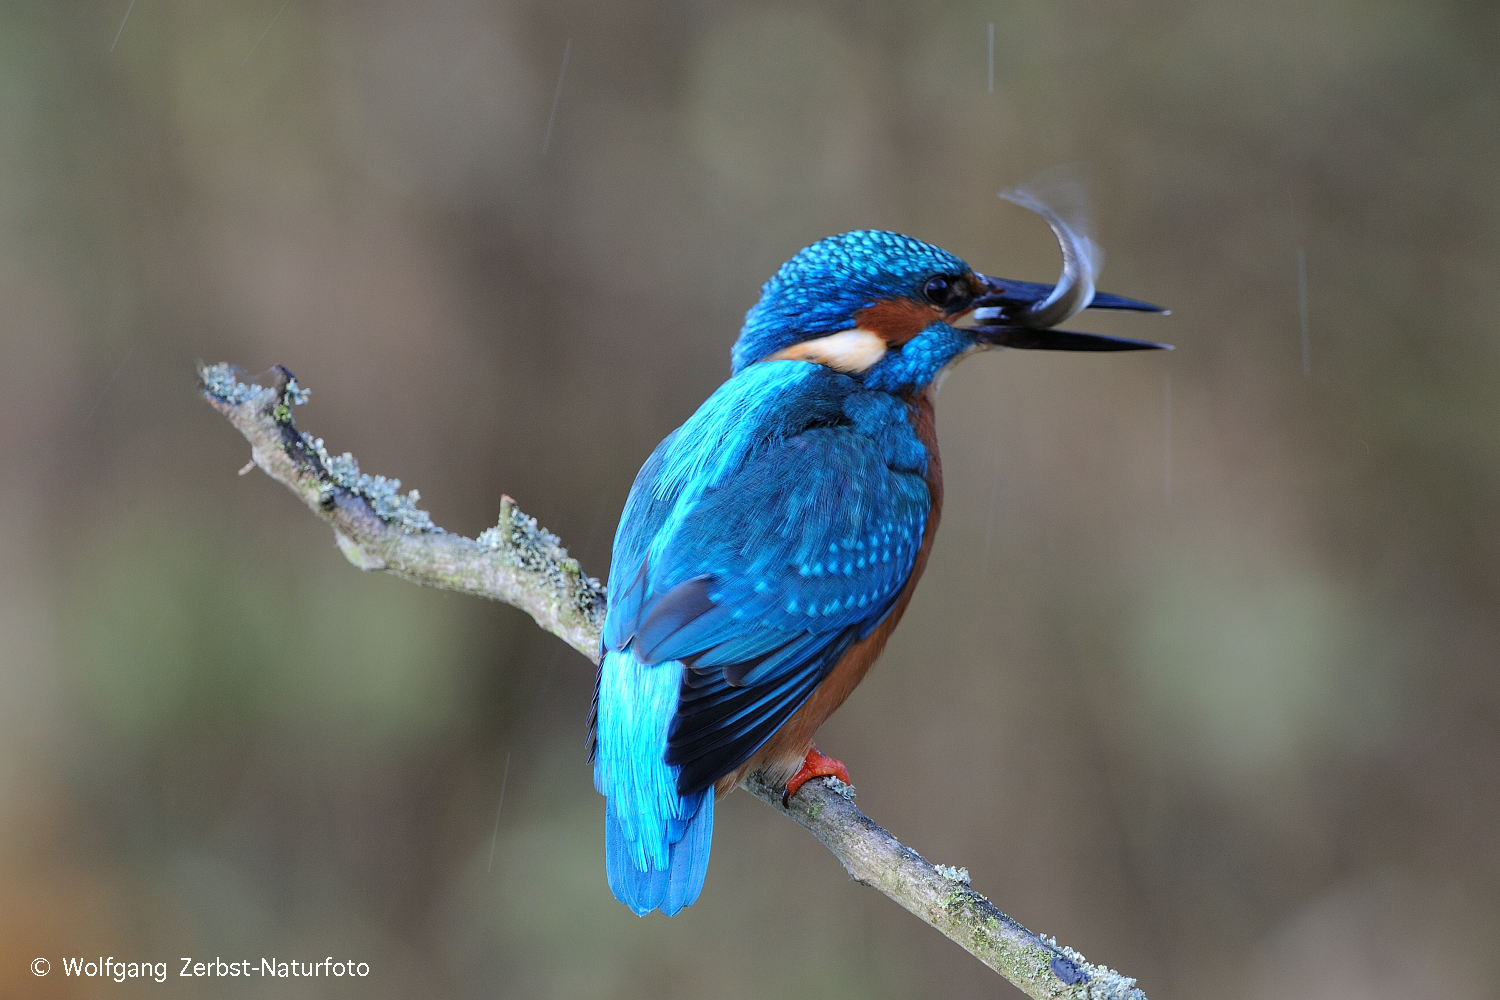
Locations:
(782, 754)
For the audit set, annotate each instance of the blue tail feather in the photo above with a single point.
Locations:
(669, 889)
(690, 857)
(656, 843)
(641, 891)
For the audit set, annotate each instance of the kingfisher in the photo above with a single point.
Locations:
(770, 545)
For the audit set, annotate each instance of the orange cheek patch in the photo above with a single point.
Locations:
(897, 320)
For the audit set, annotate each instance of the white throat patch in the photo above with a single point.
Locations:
(855, 350)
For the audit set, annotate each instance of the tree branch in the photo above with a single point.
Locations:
(516, 562)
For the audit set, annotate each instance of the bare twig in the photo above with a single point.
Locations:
(378, 528)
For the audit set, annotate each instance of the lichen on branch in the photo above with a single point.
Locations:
(517, 562)
(379, 528)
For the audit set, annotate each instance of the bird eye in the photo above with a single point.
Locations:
(937, 290)
(946, 290)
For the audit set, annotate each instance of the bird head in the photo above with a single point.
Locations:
(895, 311)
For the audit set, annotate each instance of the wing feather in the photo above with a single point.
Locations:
(760, 541)
(772, 576)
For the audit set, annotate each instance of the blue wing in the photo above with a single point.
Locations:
(768, 580)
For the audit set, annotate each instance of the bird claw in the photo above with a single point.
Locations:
(814, 765)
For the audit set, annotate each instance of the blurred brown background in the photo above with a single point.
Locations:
(1212, 697)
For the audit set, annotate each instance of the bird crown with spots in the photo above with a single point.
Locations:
(820, 289)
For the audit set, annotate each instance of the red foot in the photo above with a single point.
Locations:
(816, 765)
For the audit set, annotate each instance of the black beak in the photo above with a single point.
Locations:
(1022, 314)
(1003, 308)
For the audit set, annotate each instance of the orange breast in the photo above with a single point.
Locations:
(782, 754)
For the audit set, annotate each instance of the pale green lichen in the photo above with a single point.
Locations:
(1107, 984)
(382, 494)
(221, 382)
(953, 874)
(537, 550)
(292, 395)
(958, 899)
(1100, 982)
(840, 787)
